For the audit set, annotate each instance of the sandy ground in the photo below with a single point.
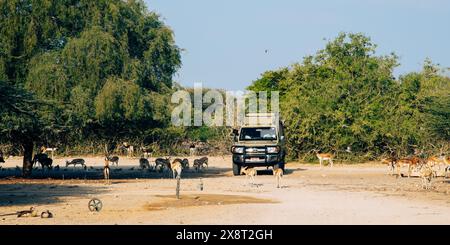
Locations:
(346, 194)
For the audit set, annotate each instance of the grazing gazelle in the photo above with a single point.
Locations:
(185, 163)
(114, 159)
(47, 149)
(162, 164)
(75, 162)
(325, 157)
(144, 163)
(43, 159)
(278, 175)
(200, 163)
(250, 173)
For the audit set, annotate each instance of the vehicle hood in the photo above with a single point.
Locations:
(256, 143)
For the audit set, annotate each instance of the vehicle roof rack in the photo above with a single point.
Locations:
(261, 119)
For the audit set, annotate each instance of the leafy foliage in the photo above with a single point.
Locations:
(346, 97)
(102, 65)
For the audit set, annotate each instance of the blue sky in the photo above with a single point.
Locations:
(225, 41)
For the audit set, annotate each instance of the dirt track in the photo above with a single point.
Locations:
(349, 194)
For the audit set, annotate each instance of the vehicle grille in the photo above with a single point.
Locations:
(255, 150)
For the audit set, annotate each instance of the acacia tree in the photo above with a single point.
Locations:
(102, 65)
(19, 120)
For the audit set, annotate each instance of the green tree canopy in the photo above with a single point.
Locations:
(101, 64)
(346, 96)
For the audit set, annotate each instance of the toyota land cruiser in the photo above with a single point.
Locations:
(259, 142)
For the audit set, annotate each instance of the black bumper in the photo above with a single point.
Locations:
(260, 160)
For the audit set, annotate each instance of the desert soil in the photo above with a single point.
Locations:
(344, 194)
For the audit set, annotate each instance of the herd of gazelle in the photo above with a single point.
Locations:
(397, 163)
(176, 166)
(427, 167)
(414, 162)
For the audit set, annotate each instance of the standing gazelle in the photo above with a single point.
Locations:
(325, 157)
(412, 163)
(278, 175)
(437, 161)
(106, 170)
(176, 167)
(391, 162)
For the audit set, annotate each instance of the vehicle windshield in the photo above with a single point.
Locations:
(262, 133)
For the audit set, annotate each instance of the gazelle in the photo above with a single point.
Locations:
(437, 161)
(43, 159)
(128, 148)
(250, 173)
(176, 167)
(144, 163)
(47, 149)
(146, 151)
(75, 162)
(390, 162)
(106, 170)
(200, 163)
(427, 174)
(162, 163)
(411, 162)
(447, 166)
(192, 150)
(278, 175)
(185, 163)
(325, 157)
(114, 159)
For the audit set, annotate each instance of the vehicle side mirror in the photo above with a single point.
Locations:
(235, 132)
(235, 135)
(282, 137)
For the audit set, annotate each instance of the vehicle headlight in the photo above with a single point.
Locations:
(237, 149)
(273, 149)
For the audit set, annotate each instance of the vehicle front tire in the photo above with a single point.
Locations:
(236, 169)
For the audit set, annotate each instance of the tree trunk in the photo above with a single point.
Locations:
(27, 158)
